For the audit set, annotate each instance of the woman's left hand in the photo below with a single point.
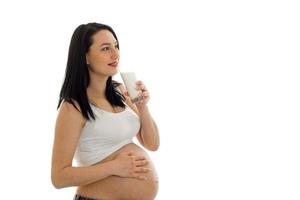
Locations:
(143, 95)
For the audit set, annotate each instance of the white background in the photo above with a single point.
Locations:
(224, 84)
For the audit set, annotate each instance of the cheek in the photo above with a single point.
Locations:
(99, 60)
(99, 63)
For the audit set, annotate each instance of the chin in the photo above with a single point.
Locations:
(111, 72)
(114, 73)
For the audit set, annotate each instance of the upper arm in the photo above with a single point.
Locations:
(68, 126)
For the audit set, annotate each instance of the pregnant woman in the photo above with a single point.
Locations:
(97, 122)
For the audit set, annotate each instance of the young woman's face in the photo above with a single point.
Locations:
(103, 55)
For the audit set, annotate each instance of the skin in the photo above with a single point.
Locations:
(129, 168)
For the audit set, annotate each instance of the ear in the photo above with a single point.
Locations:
(87, 59)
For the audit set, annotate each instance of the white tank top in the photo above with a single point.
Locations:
(106, 134)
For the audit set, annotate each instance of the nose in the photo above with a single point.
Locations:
(114, 53)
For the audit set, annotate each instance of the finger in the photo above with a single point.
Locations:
(142, 178)
(136, 158)
(141, 87)
(145, 94)
(142, 170)
(141, 163)
(145, 99)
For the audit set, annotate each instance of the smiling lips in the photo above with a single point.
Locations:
(113, 64)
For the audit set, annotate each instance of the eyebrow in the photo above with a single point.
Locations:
(107, 43)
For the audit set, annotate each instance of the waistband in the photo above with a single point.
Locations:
(78, 197)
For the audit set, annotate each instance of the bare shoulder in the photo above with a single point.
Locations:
(70, 113)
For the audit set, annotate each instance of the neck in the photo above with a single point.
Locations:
(96, 88)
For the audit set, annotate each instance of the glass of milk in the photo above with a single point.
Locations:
(129, 80)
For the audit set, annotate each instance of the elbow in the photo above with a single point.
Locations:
(153, 147)
(57, 181)
(56, 184)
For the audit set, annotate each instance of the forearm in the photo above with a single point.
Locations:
(149, 132)
(77, 176)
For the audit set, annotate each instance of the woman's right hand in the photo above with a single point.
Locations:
(130, 166)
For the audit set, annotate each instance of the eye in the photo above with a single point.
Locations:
(105, 49)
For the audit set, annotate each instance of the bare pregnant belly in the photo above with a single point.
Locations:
(120, 188)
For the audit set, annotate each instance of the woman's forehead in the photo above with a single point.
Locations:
(104, 36)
